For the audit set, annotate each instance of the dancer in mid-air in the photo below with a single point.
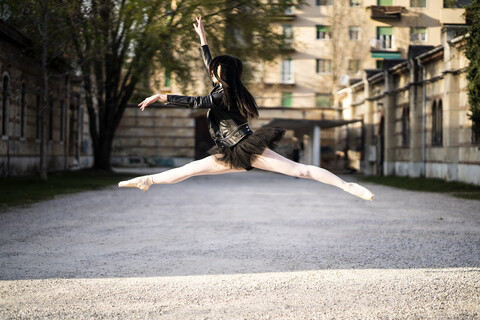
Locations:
(237, 148)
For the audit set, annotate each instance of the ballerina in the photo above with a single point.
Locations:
(237, 148)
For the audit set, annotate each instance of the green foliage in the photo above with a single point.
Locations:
(472, 52)
(41, 21)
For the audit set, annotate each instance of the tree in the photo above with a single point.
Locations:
(472, 52)
(118, 42)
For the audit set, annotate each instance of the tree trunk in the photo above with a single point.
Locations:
(102, 153)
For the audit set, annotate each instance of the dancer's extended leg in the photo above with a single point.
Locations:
(204, 166)
(272, 161)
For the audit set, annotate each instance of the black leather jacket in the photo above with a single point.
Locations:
(227, 127)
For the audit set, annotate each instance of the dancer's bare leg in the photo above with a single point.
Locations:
(205, 166)
(272, 161)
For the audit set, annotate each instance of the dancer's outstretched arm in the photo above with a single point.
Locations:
(200, 30)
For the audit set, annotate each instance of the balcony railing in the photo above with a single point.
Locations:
(288, 78)
(382, 42)
(386, 12)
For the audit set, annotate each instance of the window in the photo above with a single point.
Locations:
(168, 79)
(5, 102)
(353, 66)
(406, 125)
(455, 3)
(324, 66)
(323, 100)
(385, 2)
(355, 3)
(287, 71)
(287, 99)
(290, 11)
(324, 32)
(287, 32)
(62, 121)
(418, 34)
(22, 111)
(475, 135)
(437, 130)
(50, 119)
(37, 117)
(385, 37)
(324, 2)
(354, 32)
(379, 63)
(418, 3)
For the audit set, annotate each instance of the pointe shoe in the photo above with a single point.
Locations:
(142, 183)
(359, 191)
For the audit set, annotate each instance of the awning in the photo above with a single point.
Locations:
(386, 55)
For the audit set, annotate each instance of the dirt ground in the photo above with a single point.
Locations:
(253, 245)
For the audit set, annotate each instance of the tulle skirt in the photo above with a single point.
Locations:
(244, 153)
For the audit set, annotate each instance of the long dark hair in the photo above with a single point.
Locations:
(234, 92)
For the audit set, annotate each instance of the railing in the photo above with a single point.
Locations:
(288, 78)
(382, 42)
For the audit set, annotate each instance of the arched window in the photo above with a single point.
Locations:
(5, 103)
(406, 125)
(37, 116)
(437, 127)
(434, 122)
(50, 119)
(22, 110)
(62, 120)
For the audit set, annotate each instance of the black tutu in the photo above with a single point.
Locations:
(244, 153)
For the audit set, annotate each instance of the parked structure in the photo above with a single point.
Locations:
(414, 117)
(20, 94)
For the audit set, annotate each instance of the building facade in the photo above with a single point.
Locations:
(414, 117)
(327, 45)
(329, 42)
(20, 114)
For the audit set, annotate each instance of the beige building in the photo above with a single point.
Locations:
(330, 42)
(414, 118)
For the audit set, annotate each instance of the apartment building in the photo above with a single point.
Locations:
(328, 44)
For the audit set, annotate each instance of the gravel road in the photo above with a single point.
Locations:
(253, 245)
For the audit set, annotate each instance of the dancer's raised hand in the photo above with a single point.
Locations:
(151, 100)
(200, 30)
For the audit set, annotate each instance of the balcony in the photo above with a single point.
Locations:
(287, 79)
(382, 43)
(386, 12)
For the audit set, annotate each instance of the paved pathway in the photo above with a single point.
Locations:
(253, 245)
